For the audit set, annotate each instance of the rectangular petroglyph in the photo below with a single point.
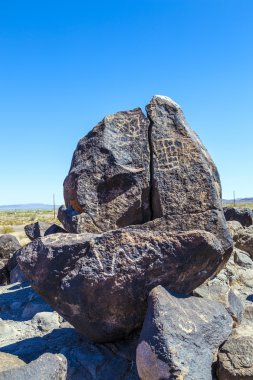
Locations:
(171, 152)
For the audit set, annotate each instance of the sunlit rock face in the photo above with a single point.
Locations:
(143, 199)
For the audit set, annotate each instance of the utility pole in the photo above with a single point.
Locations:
(234, 197)
(54, 205)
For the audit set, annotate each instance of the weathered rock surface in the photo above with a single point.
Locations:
(241, 215)
(180, 336)
(8, 245)
(245, 241)
(40, 229)
(8, 361)
(47, 367)
(243, 259)
(234, 228)
(146, 195)
(29, 328)
(108, 181)
(100, 284)
(216, 291)
(131, 170)
(235, 359)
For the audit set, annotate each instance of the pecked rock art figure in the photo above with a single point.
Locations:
(143, 208)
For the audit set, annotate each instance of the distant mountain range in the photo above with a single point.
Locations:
(28, 206)
(238, 200)
(42, 206)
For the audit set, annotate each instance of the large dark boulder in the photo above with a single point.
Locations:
(180, 336)
(100, 284)
(131, 169)
(146, 196)
(241, 215)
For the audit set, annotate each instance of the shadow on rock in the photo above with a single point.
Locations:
(86, 360)
(21, 303)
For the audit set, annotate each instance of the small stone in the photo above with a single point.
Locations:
(46, 321)
(242, 259)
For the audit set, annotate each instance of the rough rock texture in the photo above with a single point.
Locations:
(180, 336)
(235, 359)
(241, 215)
(146, 195)
(245, 241)
(47, 367)
(216, 291)
(40, 229)
(8, 245)
(243, 259)
(100, 284)
(29, 328)
(8, 361)
(108, 181)
(131, 169)
(234, 228)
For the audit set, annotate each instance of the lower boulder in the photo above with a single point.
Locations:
(235, 359)
(180, 336)
(100, 283)
(46, 367)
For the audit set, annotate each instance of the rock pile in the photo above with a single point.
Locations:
(144, 231)
(144, 197)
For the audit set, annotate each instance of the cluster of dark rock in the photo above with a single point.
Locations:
(145, 262)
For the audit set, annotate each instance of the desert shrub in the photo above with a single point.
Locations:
(6, 230)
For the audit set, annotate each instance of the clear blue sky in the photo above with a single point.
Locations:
(64, 65)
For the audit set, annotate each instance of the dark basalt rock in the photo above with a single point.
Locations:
(108, 181)
(180, 336)
(40, 229)
(235, 359)
(8, 245)
(138, 189)
(241, 215)
(100, 284)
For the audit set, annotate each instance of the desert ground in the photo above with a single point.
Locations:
(13, 222)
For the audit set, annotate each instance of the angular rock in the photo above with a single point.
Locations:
(245, 242)
(8, 361)
(108, 181)
(46, 367)
(234, 228)
(40, 229)
(8, 245)
(179, 337)
(218, 292)
(100, 284)
(235, 359)
(241, 215)
(242, 259)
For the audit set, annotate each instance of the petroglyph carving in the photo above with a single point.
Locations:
(172, 152)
